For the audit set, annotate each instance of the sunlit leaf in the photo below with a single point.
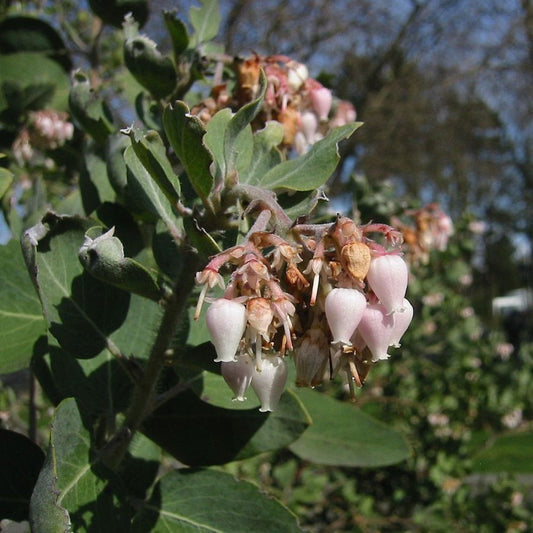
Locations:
(209, 501)
(185, 133)
(205, 20)
(342, 435)
(311, 170)
(21, 317)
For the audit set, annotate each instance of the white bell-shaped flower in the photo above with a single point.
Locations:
(402, 319)
(376, 329)
(269, 382)
(388, 276)
(238, 375)
(344, 309)
(226, 322)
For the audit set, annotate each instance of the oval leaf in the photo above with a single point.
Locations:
(206, 500)
(509, 453)
(21, 317)
(342, 435)
(313, 169)
(185, 133)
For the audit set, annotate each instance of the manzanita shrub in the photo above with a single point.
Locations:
(170, 258)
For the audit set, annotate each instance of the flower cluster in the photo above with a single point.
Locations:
(305, 108)
(46, 130)
(328, 294)
(431, 231)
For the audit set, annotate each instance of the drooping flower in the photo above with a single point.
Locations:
(402, 319)
(238, 375)
(269, 383)
(226, 322)
(376, 329)
(321, 99)
(388, 276)
(344, 309)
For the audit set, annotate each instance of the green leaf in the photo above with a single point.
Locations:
(301, 203)
(38, 80)
(152, 154)
(100, 385)
(30, 34)
(83, 315)
(145, 192)
(139, 469)
(167, 253)
(509, 453)
(21, 317)
(205, 20)
(311, 170)
(210, 501)
(89, 110)
(70, 487)
(238, 434)
(6, 178)
(178, 33)
(154, 71)
(236, 141)
(102, 255)
(185, 133)
(148, 111)
(342, 435)
(214, 140)
(266, 154)
(116, 167)
(95, 186)
(20, 463)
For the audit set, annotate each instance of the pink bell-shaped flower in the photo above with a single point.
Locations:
(269, 383)
(344, 309)
(238, 375)
(376, 329)
(402, 319)
(388, 276)
(226, 322)
(321, 99)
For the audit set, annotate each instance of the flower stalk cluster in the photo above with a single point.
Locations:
(330, 295)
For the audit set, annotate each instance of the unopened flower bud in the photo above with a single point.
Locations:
(226, 322)
(238, 375)
(344, 309)
(269, 383)
(376, 329)
(402, 320)
(388, 276)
